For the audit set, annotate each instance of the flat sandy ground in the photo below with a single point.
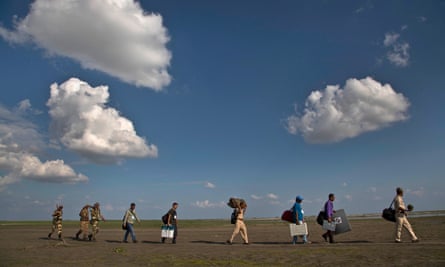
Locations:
(202, 243)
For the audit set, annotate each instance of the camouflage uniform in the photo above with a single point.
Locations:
(57, 222)
(84, 221)
(96, 216)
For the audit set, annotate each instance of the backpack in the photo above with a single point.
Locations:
(233, 217)
(165, 218)
(320, 217)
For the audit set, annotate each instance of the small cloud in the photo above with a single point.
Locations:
(359, 10)
(399, 51)
(345, 184)
(24, 105)
(399, 55)
(348, 197)
(209, 185)
(417, 192)
(335, 113)
(368, 5)
(38, 203)
(421, 19)
(404, 27)
(207, 204)
(390, 39)
(372, 189)
(377, 198)
(255, 197)
(108, 207)
(272, 196)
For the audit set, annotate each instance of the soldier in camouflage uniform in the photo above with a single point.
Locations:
(96, 216)
(57, 222)
(84, 221)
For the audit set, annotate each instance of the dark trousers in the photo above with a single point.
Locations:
(329, 234)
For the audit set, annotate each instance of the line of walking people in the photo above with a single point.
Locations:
(95, 213)
(239, 206)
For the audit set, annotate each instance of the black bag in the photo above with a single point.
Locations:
(165, 218)
(124, 225)
(320, 217)
(389, 214)
(233, 217)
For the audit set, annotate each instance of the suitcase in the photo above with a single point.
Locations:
(298, 229)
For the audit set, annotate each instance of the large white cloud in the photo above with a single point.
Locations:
(20, 143)
(83, 123)
(338, 113)
(27, 166)
(113, 36)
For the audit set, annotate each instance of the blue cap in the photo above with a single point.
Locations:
(299, 198)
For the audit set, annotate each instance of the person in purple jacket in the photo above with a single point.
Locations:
(329, 212)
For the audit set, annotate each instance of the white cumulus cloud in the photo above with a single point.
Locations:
(114, 36)
(83, 123)
(338, 113)
(28, 166)
(20, 144)
(255, 197)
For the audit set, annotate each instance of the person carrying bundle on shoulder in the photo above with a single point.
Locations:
(240, 226)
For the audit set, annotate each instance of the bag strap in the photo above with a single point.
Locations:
(391, 203)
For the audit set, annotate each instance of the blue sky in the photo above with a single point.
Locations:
(198, 101)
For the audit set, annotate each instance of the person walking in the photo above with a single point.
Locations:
(401, 218)
(240, 226)
(329, 212)
(84, 221)
(96, 216)
(172, 221)
(298, 218)
(129, 219)
(57, 222)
